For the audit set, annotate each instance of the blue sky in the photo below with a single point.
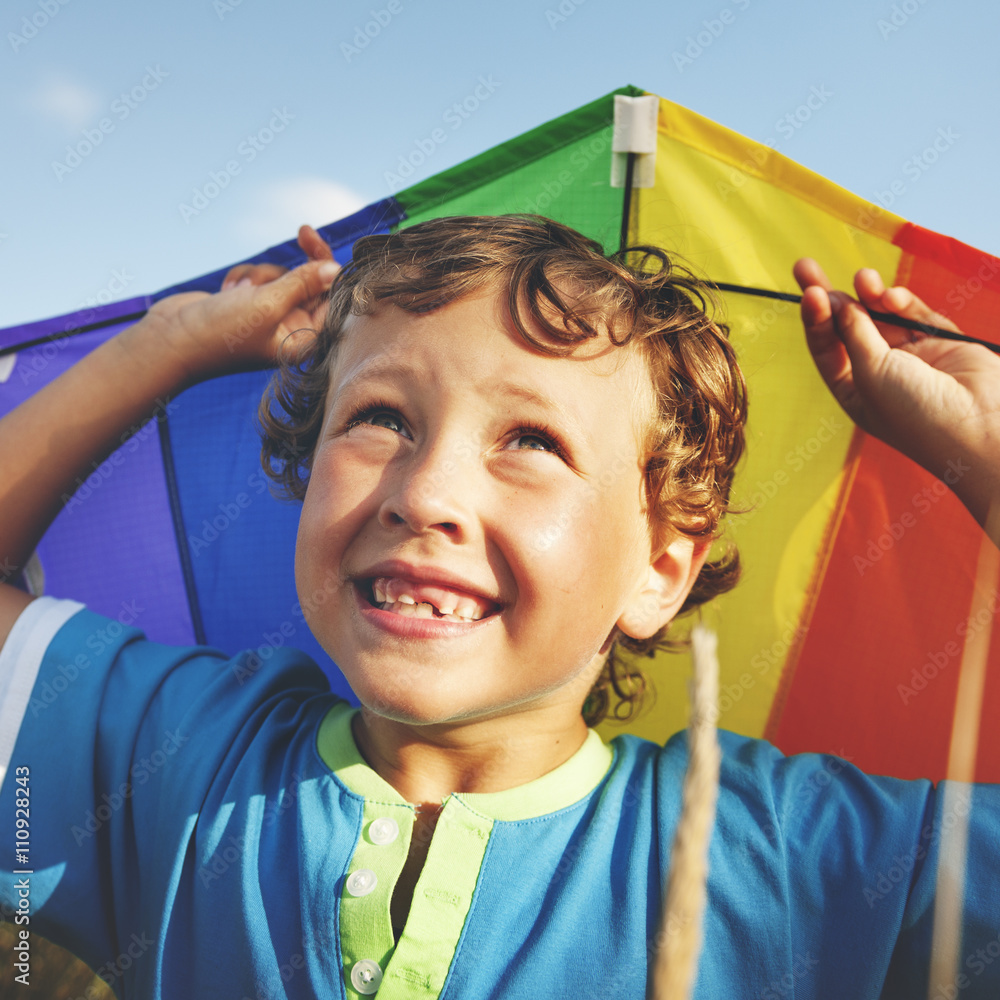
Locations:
(183, 88)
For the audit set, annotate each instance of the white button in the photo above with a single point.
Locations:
(383, 831)
(366, 976)
(361, 882)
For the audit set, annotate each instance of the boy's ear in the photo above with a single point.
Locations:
(662, 593)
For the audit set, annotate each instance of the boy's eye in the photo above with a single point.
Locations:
(530, 442)
(533, 439)
(389, 419)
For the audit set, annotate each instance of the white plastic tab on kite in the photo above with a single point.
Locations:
(634, 132)
(635, 124)
(7, 362)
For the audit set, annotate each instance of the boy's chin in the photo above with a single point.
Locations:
(417, 708)
(440, 707)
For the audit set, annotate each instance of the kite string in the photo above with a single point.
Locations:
(882, 317)
(680, 935)
(946, 938)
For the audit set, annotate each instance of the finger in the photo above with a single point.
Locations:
(817, 313)
(899, 301)
(819, 308)
(254, 274)
(807, 272)
(235, 275)
(295, 288)
(870, 287)
(903, 302)
(827, 349)
(313, 245)
(866, 346)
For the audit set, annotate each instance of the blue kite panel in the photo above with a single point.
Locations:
(241, 539)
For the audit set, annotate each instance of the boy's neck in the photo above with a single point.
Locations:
(426, 763)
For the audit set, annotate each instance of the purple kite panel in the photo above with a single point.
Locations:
(112, 546)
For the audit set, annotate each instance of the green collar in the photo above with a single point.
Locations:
(568, 783)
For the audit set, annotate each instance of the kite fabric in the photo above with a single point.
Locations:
(847, 630)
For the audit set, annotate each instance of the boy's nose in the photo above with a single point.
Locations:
(428, 495)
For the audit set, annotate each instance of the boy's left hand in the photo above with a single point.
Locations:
(937, 401)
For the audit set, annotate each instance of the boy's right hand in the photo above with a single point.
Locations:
(937, 401)
(260, 308)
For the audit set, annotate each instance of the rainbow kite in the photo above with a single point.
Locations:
(847, 630)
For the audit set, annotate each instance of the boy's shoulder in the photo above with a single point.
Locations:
(756, 778)
(95, 680)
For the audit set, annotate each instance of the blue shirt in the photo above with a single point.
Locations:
(204, 826)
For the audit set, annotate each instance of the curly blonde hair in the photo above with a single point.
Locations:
(640, 296)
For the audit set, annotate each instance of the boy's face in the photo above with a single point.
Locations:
(473, 528)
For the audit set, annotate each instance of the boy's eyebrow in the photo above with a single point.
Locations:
(527, 395)
(376, 369)
(568, 418)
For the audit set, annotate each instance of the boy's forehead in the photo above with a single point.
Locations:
(389, 330)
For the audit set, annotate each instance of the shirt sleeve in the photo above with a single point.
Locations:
(20, 659)
(121, 740)
(840, 871)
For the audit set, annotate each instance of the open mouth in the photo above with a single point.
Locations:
(419, 600)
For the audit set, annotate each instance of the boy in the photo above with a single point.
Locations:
(464, 834)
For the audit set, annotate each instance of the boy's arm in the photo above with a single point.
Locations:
(937, 401)
(84, 415)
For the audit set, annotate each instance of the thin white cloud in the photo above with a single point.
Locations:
(285, 205)
(64, 102)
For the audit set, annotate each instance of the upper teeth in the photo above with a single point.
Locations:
(421, 600)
